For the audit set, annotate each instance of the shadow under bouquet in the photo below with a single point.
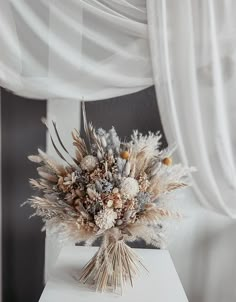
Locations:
(111, 190)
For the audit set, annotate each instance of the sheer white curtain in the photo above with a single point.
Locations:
(79, 49)
(193, 49)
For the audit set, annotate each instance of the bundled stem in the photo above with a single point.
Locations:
(112, 266)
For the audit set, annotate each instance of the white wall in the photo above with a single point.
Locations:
(202, 245)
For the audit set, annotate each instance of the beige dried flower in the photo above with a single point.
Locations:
(105, 219)
(89, 163)
(129, 187)
(117, 201)
(115, 190)
(144, 183)
(110, 203)
(61, 185)
(97, 174)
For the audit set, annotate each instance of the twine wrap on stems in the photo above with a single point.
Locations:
(114, 265)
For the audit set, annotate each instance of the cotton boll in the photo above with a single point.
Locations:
(129, 187)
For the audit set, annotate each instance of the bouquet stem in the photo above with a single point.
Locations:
(112, 266)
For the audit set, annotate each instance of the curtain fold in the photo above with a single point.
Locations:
(84, 49)
(193, 50)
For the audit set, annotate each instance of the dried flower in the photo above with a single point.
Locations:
(110, 203)
(115, 190)
(106, 186)
(124, 154)
(129, 187)
(105, 219)
(101, 132)
(88, 163)
(143, 198)
(118, 204)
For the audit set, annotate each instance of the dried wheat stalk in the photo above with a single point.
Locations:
(112, 267)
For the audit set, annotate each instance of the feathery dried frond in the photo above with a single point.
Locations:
(38, 184)
(81, 148)
(169, 178)
(153, 215)
(47, 209)
(51, 163)
(35, 158)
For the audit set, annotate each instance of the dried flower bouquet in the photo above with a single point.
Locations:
(109, 189)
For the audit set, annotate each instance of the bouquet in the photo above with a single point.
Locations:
(111, 190)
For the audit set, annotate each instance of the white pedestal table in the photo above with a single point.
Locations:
(160, 284)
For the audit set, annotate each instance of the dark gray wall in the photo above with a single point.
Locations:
(23, 243)
(133, 111)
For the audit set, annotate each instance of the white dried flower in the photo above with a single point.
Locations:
(115, 190)
(105, 219)
(88, 163)
(119, 222)
(129, 187)
(110, 203)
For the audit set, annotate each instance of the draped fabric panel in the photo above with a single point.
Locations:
(193, 49)
(76, 49)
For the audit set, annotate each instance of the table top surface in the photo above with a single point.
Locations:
(161, 283)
